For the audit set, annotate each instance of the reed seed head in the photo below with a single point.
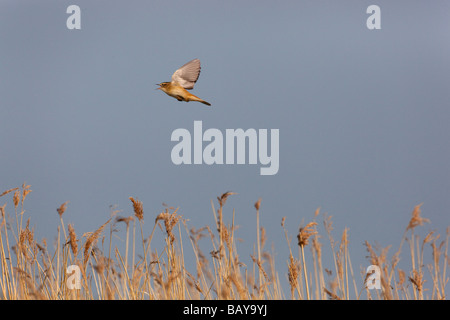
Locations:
(73, 240)
(127, 220)
(16, 198)
(25, 191)
(4, 193)
(257, 204)
(62, 208)
(223, 198)
(170, 220)
(138, 208)
(416, 219)
(305, 233)
(417, 280)
(91, 238)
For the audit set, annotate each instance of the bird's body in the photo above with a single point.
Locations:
(182, 79)
(180, 93)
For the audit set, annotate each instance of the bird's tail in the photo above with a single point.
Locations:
(195, 98)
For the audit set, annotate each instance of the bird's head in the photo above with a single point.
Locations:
(163, 86)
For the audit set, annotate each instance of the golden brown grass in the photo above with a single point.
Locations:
(31, 270)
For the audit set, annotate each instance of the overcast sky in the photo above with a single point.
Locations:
(363, 115)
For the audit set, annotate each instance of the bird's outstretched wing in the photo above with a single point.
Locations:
(188, 74)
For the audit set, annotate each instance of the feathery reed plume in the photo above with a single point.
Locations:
(416, 219)
(62, 208)
(305, 233)
(25, 236)
(73, 240)
(16, 198)
(138, 208)
(170, 220)
(126, 220)
(8, 191)
(418, 281)
(223, 198)
(91, 238)
(25, 191)
(332, 295)
(293, 270)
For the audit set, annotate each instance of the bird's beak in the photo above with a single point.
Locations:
(158, 85)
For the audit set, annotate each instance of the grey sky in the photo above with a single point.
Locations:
(363, 115)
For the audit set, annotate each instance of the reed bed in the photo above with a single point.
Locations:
(32, 270)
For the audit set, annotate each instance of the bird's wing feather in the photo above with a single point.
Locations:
(188, 74)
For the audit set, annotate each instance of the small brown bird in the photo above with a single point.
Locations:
(182, 79)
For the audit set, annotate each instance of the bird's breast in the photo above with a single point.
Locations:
(175, 91)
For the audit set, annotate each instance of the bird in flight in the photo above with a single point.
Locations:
(182, 79)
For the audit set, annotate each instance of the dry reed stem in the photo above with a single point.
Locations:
(304, 234)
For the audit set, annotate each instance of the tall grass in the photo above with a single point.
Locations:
(32, 270)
